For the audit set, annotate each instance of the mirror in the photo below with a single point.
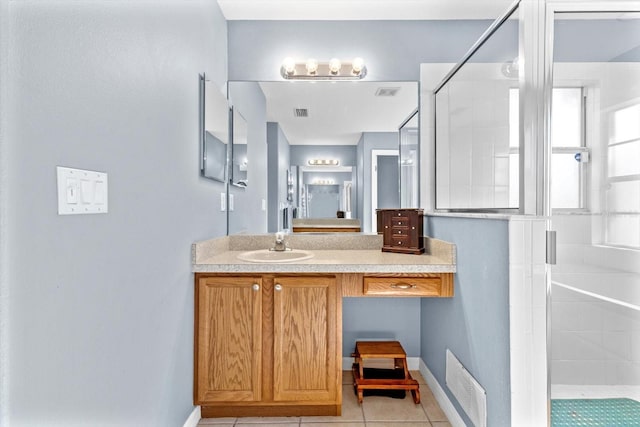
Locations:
(322, 192)
(239, 159)
(319, 142)
(214, 119)
(409, 162)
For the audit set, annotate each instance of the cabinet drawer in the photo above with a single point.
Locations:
(399, 231)
(400, 222)
(405, 286)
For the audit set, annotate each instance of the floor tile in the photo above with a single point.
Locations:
(351, 410)
(397, 424)
(431, 406)
(338, 424)
(379, 408)
(416, 375)
(269, 420)
(217, 421)
(200, 424)
(267, 424)
(441, 424)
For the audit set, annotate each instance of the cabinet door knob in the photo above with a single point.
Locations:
(278, 287)
(255, 287)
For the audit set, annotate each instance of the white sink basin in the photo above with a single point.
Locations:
(265, 255)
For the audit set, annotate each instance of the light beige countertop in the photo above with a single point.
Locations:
(333, 253)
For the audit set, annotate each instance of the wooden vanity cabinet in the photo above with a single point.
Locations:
(268, 345)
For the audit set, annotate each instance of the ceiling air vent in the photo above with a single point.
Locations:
(300, 112)
(387, 91)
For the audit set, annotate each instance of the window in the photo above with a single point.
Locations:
(568, 150)
(622, 205)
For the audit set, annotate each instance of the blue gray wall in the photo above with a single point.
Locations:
(381, 318)
(99, 329)
(474, 324)
(247, 215)
(278, 161)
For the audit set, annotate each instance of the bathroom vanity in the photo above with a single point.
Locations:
(268, 334)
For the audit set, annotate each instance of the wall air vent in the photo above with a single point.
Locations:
(300, 112)
(387, 91)
(470, 394)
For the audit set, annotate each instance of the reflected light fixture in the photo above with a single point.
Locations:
(323, 162)
(312, 69)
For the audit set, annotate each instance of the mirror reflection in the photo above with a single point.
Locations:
(319, 142)
(239, 159)
(215, 131)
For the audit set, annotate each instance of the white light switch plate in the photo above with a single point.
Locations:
(82, 191)
(223, 202)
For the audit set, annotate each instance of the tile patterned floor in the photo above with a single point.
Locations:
(375, 411)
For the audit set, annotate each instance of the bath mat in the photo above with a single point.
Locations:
(595, 412)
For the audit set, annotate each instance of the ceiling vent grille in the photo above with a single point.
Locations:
(387, 91)
(300, 112)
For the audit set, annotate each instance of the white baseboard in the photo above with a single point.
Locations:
(443, 400)
(412, 362)
(194, 418)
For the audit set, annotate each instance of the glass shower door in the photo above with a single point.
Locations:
(594, 158)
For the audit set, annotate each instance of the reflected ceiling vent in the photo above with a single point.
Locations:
(300, 112)
(387, 91)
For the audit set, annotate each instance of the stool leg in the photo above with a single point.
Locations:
(416, 396)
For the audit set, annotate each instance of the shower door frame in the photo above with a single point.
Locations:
(546, 31)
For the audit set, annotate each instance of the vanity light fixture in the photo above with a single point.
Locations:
(311, 69)
(323, 181)
(324, 162)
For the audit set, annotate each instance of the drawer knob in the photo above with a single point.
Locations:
(403, 286)
(278, 287)
(399, 243)
(255, 287)
(399, 222)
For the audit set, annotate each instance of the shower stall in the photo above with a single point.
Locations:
(541, 119)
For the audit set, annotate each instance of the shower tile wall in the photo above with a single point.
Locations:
(594, 342)
(473, 153)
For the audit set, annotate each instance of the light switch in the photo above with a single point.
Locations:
(72, 191)
(86, 187)
(230, 202)
(264, 205)
(223, 202)
(81, 191)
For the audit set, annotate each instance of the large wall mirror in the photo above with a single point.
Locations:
(214, 122)
(319, 142)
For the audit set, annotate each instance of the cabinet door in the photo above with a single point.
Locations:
(229, 339)
(305, 342)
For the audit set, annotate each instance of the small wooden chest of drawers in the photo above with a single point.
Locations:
(402, 230)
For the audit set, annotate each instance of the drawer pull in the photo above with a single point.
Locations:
(256, 287)
(403, 286)
(278, 287)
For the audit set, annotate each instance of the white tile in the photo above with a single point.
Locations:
(516, 242)
(617, 345)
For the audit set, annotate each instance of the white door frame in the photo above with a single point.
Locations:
(374, 183)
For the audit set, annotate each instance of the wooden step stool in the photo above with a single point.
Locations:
(382, 350)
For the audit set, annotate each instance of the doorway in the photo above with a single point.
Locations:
(385, 189)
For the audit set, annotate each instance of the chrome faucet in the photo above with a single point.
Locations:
(280, 244)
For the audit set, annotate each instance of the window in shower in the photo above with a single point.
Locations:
(622, 212)
(570, 155)
(473, 167)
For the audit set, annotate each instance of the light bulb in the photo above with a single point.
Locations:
(334, 66)
(289, 65)
(312, 66)
(357, 65)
